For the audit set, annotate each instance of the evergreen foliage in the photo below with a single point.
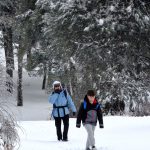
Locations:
(109, 43)
(8, 131)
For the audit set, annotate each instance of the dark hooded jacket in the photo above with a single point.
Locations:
(89, 113)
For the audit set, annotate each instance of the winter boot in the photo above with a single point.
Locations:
(59, 139)
(65, 140)
(94, 148)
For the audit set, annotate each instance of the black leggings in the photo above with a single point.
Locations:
(58, 127)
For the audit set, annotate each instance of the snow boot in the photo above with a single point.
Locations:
(94, 148)
(59, 139)
(65, 140)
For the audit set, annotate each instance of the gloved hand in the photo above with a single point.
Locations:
(78, 125)
(101, 126)
(58, 91)
(74, 113)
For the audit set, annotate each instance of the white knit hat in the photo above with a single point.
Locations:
(56, 82)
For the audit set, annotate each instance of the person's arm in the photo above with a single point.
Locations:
(79, 116)
(70, 103)
(100, 117)
(53, 97)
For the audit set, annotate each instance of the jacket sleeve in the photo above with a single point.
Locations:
(53, 97)
(100, 116)
(79, 116)
(70, 103)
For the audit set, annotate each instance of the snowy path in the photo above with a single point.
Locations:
(35, 104)
(120, 133)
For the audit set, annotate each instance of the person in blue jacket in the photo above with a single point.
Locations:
(62, 102)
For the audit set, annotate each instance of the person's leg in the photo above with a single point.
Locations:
(93, 145)
(66, 127)
(90, 136)
(58, 127)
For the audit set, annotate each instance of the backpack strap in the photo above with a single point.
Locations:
(58, 107)
(97, 106)
(84, 104)
(65, 93)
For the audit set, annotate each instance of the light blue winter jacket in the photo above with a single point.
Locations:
(60, 100)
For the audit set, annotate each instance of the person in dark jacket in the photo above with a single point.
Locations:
(89, 112)
(62, 103)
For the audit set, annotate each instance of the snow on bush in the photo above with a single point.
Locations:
(8, 132)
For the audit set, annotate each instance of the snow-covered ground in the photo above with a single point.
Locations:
(119, 133)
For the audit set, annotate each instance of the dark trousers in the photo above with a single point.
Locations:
(65, 120)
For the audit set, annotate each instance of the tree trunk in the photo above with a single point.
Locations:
(9, 56)
(19, 84)
(8, 47)
(29, 58)
(73, 79)
(44, 78)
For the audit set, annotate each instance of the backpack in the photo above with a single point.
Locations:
(85, 104)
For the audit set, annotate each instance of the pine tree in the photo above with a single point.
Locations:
(108, 41)
(7, 10)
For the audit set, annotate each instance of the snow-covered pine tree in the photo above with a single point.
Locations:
(108, 41)
(7, 9)
(23, 38)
